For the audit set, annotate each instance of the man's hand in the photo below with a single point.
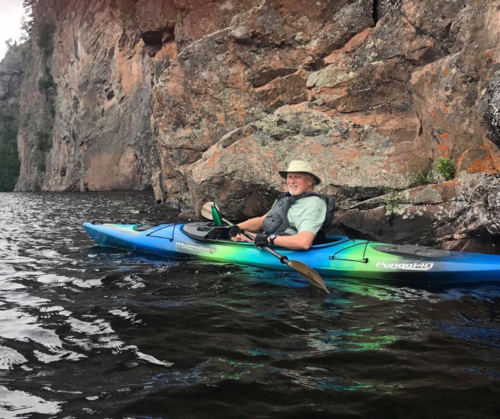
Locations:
(234, 231)
(261, 240)
(236, 234)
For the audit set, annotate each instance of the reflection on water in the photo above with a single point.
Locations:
(88, 331)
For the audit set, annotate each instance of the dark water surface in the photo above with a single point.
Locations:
(93, 332)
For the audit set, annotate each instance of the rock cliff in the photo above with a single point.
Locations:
(11, 77)
(86, 99)
(206, 100)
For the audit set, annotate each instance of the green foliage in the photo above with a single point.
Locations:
(45, 38)
(445, 167)
(41, 165)
(45, 83)
(43, 145)
(424, 176)
(26, 29)
(442, 168)
(43, 141)
(25, 119)
(9, 160)
(29, 5)
(27, 20)
(392, 201)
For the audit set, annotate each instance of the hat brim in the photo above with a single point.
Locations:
(283, 174)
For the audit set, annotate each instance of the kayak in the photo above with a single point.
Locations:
(337, 256)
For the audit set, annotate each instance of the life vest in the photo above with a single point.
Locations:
(276, 220)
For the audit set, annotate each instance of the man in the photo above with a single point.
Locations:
(295, 218)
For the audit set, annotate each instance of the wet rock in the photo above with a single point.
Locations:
(468, 220)
(475, 211)
(405, 225)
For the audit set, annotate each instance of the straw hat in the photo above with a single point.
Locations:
(302, 167)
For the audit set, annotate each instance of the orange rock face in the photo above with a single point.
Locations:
(397, 95)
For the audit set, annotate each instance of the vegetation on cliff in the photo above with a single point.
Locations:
(9, 161)
(38, 94)
(12, 73)
(11, 77)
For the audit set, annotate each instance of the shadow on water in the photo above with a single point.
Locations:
(93, 332)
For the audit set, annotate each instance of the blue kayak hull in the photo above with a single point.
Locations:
(339, 256)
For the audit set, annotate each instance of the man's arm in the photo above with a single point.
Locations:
(299, 241)
(253, 224)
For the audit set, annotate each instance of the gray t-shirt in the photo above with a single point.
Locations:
(307, 214)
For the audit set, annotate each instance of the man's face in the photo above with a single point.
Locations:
(299, 183)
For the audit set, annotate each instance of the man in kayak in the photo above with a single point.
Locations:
(296, 217)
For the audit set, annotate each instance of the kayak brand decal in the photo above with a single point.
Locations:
(195, 248)
(406, 266)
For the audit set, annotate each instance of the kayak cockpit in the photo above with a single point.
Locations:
(204, 231)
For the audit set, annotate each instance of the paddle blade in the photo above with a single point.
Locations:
(310, 274)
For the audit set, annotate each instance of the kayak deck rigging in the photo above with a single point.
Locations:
(363, 259)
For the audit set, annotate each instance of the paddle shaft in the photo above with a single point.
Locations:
(283, 259)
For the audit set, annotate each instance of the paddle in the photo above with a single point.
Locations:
(307, 272)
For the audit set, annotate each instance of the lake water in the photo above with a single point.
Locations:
(94, 332)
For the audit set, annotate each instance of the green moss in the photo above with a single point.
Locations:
(445, 167)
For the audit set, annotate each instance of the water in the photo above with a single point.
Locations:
(94, 332)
